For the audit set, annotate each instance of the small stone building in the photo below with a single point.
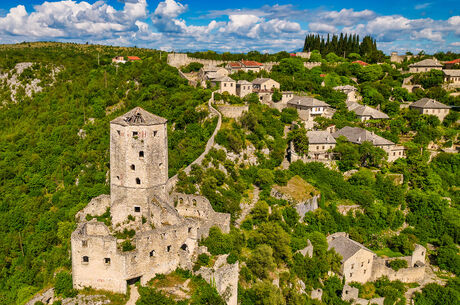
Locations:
(452, 76)
(320, 145)
(166, 227)
(425, 66)
(430, 107)
(265, 85)
(309, 108)
(243, 88)
(226, 84)
(357, 260)
(350, 91)
(364, 112)
(358, 135)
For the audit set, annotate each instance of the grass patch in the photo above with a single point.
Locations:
(298, 189)
(114, 298)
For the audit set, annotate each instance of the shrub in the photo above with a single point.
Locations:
(63, 286)
(398, 264)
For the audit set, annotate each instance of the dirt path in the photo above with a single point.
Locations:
(134, 295)
(246, 208)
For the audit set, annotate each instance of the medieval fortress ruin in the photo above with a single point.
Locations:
(149, 231)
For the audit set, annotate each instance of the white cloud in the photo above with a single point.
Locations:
(346, 17)
(455, 44)
(322, 27)
(422, 6)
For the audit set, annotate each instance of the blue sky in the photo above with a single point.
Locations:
(236, 26)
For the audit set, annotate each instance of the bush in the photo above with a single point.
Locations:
(127, 246)
(398, 264)
(63, 286)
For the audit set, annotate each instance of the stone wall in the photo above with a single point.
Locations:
(310, 65)
(234, 112)
(96, 207)
(405, 275)
(225, 277)
(178, 60)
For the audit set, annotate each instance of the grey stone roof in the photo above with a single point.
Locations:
(345, 247)
(307, 101)
(429, 104)
(224, 79)
(364, 110)
(345, 88)
(358, 136)
(426, 63)
(320, 137)
(451, 72)
(138, 116)
(243, 82)
(259, 81)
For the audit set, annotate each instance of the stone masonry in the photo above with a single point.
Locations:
(167, 227)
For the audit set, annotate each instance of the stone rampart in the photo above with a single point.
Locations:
(405, 275)
(231, 111)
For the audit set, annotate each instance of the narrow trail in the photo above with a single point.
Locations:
(134, 295)
(246, 208)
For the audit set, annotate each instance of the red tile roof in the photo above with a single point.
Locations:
(455, 61)
(251, 63)
(362, 63)
(133, 58)
(292, 54)
(234, 64)
(322, 75)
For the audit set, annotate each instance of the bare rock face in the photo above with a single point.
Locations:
(46, 297)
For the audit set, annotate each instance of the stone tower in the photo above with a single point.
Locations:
(138, 163)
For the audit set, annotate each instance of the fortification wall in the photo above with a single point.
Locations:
(96, 207)
(225, 278)
(311, 65)
(405, 275)
(234, 112)
(178, 60)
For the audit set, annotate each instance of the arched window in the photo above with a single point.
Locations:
(141, 154)
(138, 181)
(184, 247)
(133, 167)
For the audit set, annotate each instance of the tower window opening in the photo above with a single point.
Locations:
(168, 248)
(118, 132)
(152, 253)
(155, 133)
(85, 259)
(184, 247)
(190, 229)
(137, 209)
(107, 260)
(138, 181)
(141, 154)
(84, 243)
(133, 167)
(135, 133)
(118, 177)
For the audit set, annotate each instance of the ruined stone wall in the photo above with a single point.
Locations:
(199, 207)
(234, 112)
(311, 65)
(96, 207)
(178, 60)
(225, 278)
(405, 275)
(308, 206)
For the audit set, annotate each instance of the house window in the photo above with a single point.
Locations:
(152, 253)
(135, 134)
(84, 244)
(141, 154)
(137, 209)
(168, 248)
(85, 259)
(138, 181)
(133, 167)
(107, 260)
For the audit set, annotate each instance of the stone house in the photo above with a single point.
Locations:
(226, 84)
(357, 260)
(358, 135)
(394, 57)
(243, 88)
(452, 63)
(430, 107)
(244, 65)
(210, 73)
(320, 145)
(265, 85)
(309, 108)
(133, 58)
(118, 60)
(350, 91)
(364, 112)
(167, 227)
(425, 66)
(452, 76)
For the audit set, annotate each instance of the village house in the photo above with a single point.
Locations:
(118, 60)
(364, 112)
(309, 108)
(430, 107)
(358, 135)
(209, 73)
(350, 91)
(425, 66)
(320, 145)
(243, 88)
(133, 58)
(265, 85)
(452, 76)
(226, 84)
(167, 227)
(360, 62)
(452, 63)
(245, 65)
(357, 260)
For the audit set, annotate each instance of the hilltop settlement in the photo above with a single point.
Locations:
(146, 177)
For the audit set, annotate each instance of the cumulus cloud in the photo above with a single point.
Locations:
(347, 17)
(322, 27)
